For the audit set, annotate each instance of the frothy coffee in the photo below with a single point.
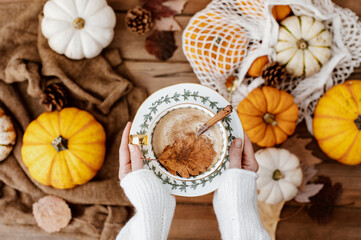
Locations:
(177, 123)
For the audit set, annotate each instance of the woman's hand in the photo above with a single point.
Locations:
(129, 155)
(244, 160)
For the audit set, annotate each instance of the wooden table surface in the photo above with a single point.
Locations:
(194, 217)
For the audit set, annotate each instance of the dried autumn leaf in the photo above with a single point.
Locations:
(323, 203)
(51, 213)
(310, 190)
(297, 146)
(229, 81)
(188, 157)
(270, 216)
(161, 44)
(308, 174)
(158, 9)
(176, 5)
(167, 24)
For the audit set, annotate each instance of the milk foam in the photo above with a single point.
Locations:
(177, 123)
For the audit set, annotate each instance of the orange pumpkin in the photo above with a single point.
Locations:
(251, 8)
(256, 8)
(337, 122)
(268, 116)
(63, 148)
(257, 66)
(280, 12)
(213, 44)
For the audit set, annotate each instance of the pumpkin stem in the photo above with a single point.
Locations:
(79, 23)
(277, 175)
(60, 143)
(270, 119)
(302, 44)
(358, 122)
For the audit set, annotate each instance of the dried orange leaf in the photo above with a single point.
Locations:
(188, 157)
(297, 146)
(229, 81)
(270, 216)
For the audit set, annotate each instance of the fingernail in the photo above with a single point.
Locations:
(238, 143)
(131, 147)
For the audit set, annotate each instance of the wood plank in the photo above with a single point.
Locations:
(199, 222)
(206, 199)
(194, 6)
(355, 6)
(348, 176)
(132, 45)
(194, 222)
(155, 75)
(346, 224)
(191, 7)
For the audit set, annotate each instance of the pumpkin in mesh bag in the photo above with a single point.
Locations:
(213, 44)
(251, 8)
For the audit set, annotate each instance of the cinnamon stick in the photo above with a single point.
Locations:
(219, 116)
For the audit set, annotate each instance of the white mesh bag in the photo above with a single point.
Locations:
(228, 35)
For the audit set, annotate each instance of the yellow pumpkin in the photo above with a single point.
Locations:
(257, 66)
(337, 122)
(268, 116)
(64, 148)
(213, 44)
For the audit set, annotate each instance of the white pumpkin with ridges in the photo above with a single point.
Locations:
(304, 45)
(279, 173)
(78, 28)
(7, 135)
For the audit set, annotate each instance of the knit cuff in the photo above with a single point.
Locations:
(142, 187)
(239, 172)
(237, 184)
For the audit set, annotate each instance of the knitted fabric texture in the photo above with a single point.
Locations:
(227, 36)
(235, 204)
(153, 204)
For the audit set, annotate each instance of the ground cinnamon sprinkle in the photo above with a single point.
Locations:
(188, 156)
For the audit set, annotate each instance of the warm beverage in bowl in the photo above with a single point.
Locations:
(180, 152)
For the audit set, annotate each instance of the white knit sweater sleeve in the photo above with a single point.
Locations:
(154, 207)
(235, 204)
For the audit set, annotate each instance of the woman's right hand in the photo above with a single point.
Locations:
(242, 159)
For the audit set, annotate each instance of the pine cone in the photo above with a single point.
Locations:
(274, 74)
(54, 97)
(139, 20)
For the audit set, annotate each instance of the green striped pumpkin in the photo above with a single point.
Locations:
(304, 45)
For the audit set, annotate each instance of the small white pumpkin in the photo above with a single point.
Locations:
(304, 45)
(7, 135)
(279, 175)
(78, 28)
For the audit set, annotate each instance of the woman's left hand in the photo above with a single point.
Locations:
(129, 155)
